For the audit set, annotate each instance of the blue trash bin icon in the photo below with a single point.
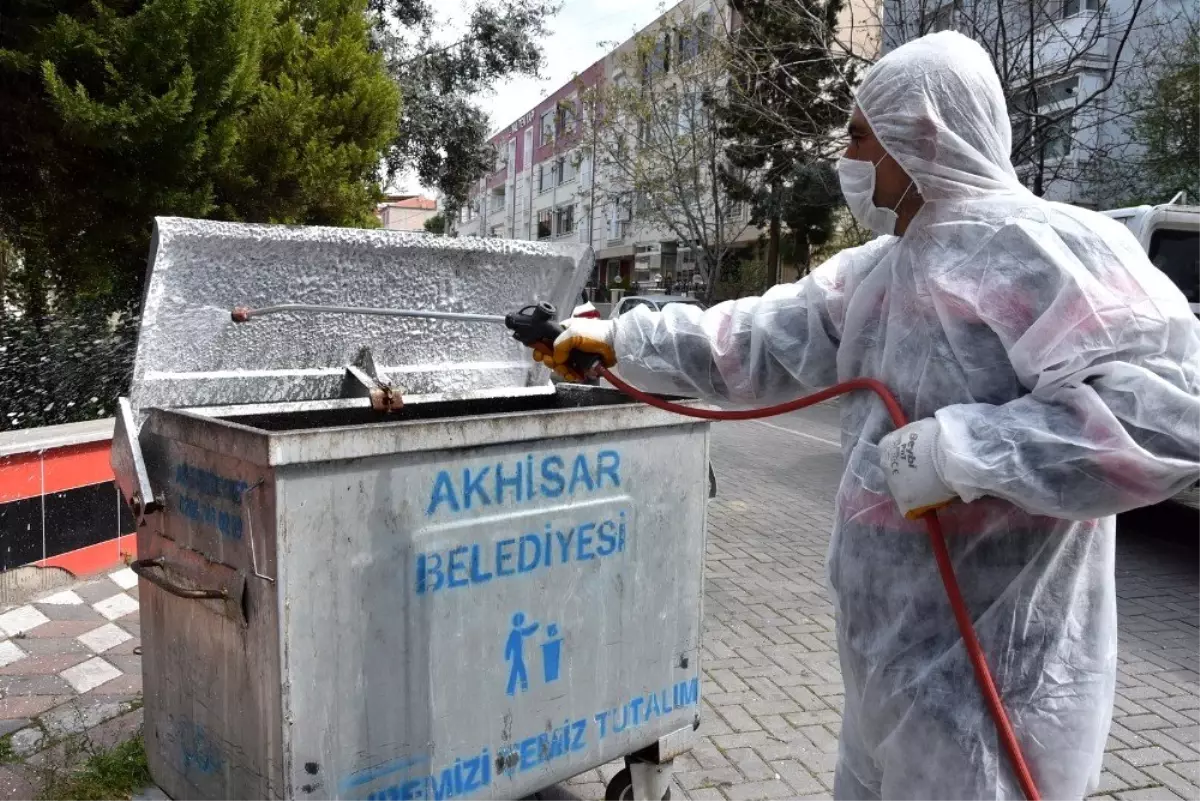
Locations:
(551, 654)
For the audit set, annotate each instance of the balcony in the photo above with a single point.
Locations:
(621, 233)
(1079, 41)
(498, 178)
(496, 203)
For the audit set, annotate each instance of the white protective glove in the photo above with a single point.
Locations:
(585, 334)
(913, 462)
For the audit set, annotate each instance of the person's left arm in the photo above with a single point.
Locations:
(1109, 352)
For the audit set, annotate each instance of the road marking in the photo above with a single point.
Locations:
(797, 433)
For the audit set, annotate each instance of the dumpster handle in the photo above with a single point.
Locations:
(248, 516)
(143, 568)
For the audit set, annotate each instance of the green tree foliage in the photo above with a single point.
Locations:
(309, 145)
(436, 224)
(443, 133)
(810, 200)
(1168, 124)
(847, 233)
(118, 111)
(741, 277)
(783, 115)
(112, 114)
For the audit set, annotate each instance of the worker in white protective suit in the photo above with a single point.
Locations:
(1054, 377)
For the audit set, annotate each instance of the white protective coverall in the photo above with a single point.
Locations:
(1064, 372)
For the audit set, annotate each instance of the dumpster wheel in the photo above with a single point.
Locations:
(620, 788)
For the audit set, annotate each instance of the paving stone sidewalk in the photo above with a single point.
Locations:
(773, 690)
(69, 664)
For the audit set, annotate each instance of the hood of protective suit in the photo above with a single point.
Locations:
(936, 105)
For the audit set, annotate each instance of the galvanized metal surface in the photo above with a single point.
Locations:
(128, 463)
(210, 668)
(303, 436)
(243, 314)
(301, 407)
(190, 353)
(410, 568)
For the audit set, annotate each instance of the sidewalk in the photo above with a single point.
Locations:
(69, 665)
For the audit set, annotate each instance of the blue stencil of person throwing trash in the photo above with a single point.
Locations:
(514, 653)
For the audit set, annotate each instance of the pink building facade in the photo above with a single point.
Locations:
(541, 188)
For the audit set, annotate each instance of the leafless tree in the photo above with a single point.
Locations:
(1153, 152)
(1061, 63)
(656, 144)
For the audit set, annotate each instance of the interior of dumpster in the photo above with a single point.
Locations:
(566, 397)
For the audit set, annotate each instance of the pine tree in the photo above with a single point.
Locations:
(783, 115)
(114, 112)
(119, 111)
(310, 142)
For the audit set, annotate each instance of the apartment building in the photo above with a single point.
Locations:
(536, 191)
(1070, 61)
(544, 188)
(627, 244)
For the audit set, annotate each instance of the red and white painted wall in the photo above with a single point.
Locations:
(59, 506)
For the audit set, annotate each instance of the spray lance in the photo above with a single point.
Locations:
(536, 326)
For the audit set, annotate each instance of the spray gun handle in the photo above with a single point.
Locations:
(537, 327)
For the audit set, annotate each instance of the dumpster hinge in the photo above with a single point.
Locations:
(129, 465)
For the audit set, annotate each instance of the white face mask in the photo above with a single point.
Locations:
(858, 185)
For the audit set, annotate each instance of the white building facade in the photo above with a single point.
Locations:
(539, 188)
(1072, 62)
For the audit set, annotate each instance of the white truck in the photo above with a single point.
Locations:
(1170, 235)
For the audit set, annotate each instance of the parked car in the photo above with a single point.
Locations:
(1170, 235)
(656, 302)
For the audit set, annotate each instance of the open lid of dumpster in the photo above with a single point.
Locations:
(191, 354)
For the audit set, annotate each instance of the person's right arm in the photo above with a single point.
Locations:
(749, 351)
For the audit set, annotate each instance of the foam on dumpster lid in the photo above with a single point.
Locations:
(191, 354)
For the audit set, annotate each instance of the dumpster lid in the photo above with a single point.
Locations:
(191, 354)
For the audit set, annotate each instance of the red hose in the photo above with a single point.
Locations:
(966, 629)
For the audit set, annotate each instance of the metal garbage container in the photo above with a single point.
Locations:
(391, 559)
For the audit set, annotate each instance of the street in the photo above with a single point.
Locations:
(773, 691)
